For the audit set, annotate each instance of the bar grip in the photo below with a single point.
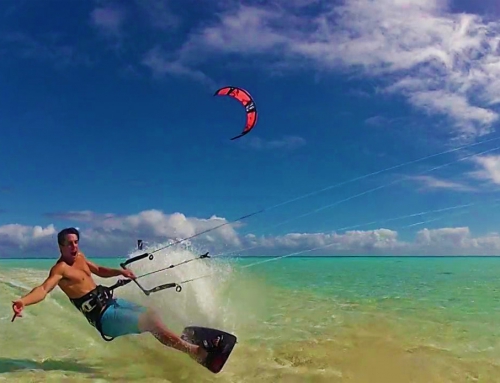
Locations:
(137, 258)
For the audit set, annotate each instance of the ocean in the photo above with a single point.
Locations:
(309, 319)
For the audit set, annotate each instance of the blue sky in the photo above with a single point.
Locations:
(109, 123)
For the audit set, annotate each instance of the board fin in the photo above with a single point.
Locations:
(219, 345)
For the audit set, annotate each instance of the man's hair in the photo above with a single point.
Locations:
(61, 236)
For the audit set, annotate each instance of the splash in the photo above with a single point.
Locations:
(200, 302)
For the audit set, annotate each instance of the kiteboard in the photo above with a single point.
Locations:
(218, 353)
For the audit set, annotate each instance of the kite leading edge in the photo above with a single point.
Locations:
(246, 99)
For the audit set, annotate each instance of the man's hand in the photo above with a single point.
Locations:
(17, 307)
(128, 274)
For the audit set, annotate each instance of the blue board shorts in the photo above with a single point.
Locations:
(121, 318)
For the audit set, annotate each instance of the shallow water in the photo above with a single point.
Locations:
(297, 320)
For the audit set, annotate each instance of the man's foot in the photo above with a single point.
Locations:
(201, 354)
(208, 346)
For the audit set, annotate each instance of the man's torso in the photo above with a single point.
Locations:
(77, 278)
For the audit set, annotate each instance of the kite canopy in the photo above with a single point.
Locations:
(244, 97)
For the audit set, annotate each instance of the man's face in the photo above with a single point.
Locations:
(70, 247)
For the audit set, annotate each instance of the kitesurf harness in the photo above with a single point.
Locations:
(93, 305)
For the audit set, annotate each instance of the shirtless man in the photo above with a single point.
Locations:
(112, 317)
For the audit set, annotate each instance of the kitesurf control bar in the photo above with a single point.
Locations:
(137, 258)
(123, 265)
(123, 282)
(203, 256)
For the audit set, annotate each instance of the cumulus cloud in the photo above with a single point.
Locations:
(354, 242)
(457, 240)
(442, 241)
(158, 225)
(444, 236)
(114, 235)
(108, 234)
(17, 239)
(444, 63)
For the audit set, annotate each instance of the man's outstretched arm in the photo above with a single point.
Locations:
(103, 272)
(39, 293)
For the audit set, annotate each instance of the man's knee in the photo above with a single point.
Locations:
(150, 321)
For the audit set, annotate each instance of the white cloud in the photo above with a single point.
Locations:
(443, 63)
(471, 119)
(156, 224)
(490, 168)
(431, 182)
(370, 242)
(446, 237)
(234, 33)
(113, 235)
(458, 241)
(17, 238)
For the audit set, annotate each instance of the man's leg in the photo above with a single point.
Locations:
(126, 318)
(150, 322)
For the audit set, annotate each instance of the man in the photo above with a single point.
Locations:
(112, 317)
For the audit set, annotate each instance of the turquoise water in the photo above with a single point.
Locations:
(391, 319)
